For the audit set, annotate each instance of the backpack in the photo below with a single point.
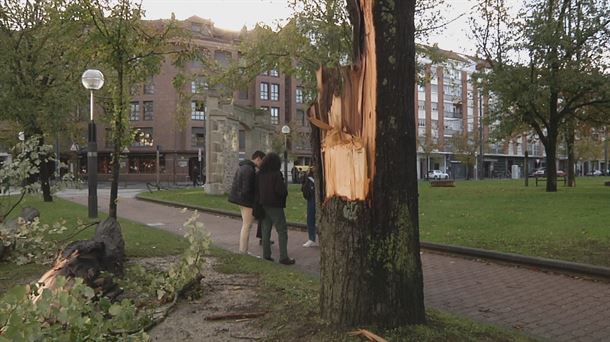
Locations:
(308, 188)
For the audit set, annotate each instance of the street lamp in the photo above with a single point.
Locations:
(93, 80)
(286, 131)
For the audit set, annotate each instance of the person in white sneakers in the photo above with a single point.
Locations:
(308, 188)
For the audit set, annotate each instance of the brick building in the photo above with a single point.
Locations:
(273, 100)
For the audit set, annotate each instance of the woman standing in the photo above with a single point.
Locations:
(271, 194)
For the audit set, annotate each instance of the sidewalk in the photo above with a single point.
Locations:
(548, 306)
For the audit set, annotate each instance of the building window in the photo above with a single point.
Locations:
(149, 86)
(434, 88)
(198, 85)
(299, 95)
(434, 106)
(275, 92)
(301, 116)
(223, 58)
(275, 115)
(421, 105)
(421, 122)
(265, 73)
(265, 108)
(198, 136)
(145, 164)
(148, 110)
(197, 110)
(143, 137)
(274, 73)
(134, 111)
(264, 91)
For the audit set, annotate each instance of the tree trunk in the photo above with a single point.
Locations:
(43, 173)
(370, 263)
(119, 136)
(571, 160)
(551, 156)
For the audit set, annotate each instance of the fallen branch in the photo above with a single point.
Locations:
(234, 315)
(368, 335)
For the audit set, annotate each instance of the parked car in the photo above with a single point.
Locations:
(597, 173)
(541, 172)
(437, 174)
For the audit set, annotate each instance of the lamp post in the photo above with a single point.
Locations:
(286, 131)
(93, 80)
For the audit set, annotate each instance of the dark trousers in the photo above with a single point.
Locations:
(275, 217)
(311, 218)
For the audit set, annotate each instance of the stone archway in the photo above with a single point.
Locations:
(222, 153)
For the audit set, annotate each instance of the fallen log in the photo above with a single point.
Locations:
(234, 315)
(368, 335)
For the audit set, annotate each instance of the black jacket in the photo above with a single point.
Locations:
(242, 190)
(271, 189)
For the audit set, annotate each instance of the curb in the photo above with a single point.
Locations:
(296, 225)
(518, 259)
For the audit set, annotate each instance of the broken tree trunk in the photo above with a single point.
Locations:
(370, 263)
(88, 258)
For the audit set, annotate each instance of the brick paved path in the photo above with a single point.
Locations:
(548, 306)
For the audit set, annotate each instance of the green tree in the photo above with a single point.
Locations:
(129, 51)
(40, 69)
(546, 66)
(319, 33)
(465, 148)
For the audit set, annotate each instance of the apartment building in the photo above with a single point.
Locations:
(450, 107)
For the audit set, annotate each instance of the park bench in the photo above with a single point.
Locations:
(447, 183)
(543, 179)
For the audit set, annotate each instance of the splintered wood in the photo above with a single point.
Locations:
(345, 112)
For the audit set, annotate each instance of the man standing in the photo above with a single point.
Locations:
(242, 194)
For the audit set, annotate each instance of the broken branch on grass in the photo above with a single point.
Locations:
(234, 315)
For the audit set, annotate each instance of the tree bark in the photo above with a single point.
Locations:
(370, 263)
(551, 157)
(43, 172)
(571, 160)
(118, 139)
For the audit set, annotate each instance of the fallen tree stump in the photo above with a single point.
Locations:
(87, 259)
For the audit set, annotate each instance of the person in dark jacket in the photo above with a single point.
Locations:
(271, 194)
(242, 194)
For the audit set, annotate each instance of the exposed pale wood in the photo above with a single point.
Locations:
(368, 335)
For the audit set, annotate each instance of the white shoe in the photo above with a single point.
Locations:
(309, 243)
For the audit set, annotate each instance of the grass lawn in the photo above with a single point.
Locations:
(572, 224)
(140, 240)
(292, 302)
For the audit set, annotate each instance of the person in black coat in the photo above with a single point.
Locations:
(271, 194)
(242, 194)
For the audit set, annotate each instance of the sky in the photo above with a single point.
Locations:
(234, 14)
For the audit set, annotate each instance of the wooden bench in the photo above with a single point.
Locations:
(445, 183)
(543, 179)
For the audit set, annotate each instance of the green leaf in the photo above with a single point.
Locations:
(115, 309)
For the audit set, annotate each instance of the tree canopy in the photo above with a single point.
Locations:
(545, 65)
